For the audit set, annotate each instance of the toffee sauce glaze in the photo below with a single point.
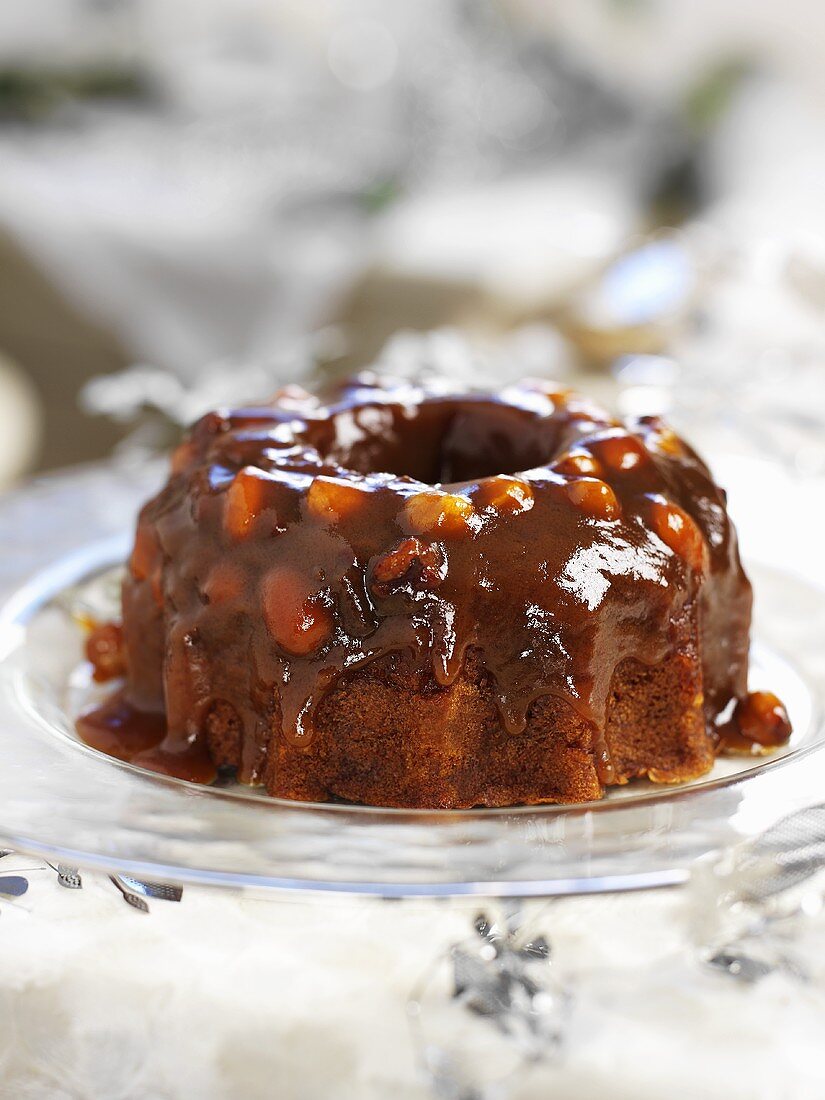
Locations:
(299, 540)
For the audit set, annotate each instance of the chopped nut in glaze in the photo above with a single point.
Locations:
(503, 495)
(224, 583)
(418, 563)
(667, 441)
(578, 463)
(595, 498)
(332, 499)
(246, 498)
(762, 719)
(660, 436)
(104, 650)
(679, 531)
(444, 514)
(299, 620)
(146, 554)
(620, 451)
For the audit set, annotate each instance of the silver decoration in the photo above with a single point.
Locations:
(69, 877)
(131, 898)
(135, 891)
(793, 848)
(161, 891)
(757, 901)
(495, 997)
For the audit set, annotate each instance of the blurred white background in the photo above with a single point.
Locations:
(229, 193)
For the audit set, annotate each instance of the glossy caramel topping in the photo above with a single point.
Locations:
(299, 540)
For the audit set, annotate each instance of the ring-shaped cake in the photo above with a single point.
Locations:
(408, 596)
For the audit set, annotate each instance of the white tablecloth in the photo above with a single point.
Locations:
(229, 995)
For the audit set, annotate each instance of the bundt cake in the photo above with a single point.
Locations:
(404, 595)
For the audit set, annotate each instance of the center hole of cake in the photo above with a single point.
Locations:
(446, 442)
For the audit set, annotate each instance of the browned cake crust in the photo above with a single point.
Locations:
(362, 599)
(446, 747)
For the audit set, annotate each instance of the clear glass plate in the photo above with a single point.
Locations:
(62, 800)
